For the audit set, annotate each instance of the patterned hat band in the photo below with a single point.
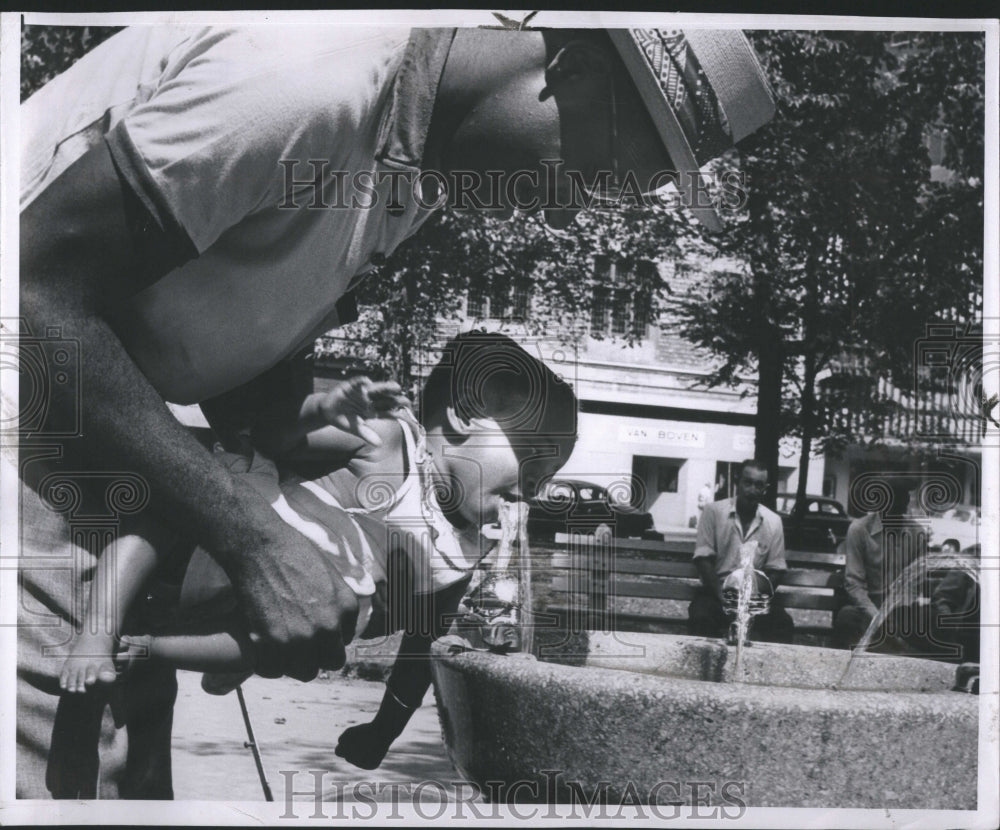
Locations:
(687, 91)
(704, 89)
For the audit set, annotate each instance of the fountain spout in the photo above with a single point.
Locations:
(498, 614)
(746, 594)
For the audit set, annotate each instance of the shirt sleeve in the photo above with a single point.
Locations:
(776, 553)
(206, 148)
(705, 537)
(855, 578)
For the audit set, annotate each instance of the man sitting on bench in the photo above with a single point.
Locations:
(723, 527)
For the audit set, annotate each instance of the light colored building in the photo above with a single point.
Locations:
(645, 420)
(932, 432)
(650, 430)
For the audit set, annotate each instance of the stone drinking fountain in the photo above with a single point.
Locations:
(792, 726)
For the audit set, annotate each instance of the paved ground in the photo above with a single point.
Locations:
(296, 725)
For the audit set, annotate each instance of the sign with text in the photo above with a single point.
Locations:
(665, 436)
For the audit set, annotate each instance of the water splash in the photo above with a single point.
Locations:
(912, 584)
(742, 598)
(524, 572)
(911, 590)
(514, 562)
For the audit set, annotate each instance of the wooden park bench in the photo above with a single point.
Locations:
(590, 576)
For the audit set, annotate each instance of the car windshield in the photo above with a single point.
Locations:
(570, 491)
(786, 504)
(967, 515)
(557, 491)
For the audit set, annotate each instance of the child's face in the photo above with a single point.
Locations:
(487, 469)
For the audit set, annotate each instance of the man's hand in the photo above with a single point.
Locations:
(705, 565)
(298, 609)
(349, 405)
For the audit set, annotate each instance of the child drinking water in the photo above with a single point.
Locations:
(362, 478)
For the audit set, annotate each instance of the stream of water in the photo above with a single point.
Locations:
(912, 590)
(743, 583)
(514, 556)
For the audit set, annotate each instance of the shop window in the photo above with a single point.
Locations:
(830, 487)
(726, 475)
(666, 478)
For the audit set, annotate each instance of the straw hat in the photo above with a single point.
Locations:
(704, 89)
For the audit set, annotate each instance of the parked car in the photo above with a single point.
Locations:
(960, 523)
(563, 505)
(823, 525)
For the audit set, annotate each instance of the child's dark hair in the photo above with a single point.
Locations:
(488, 375)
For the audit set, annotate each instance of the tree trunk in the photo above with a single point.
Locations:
(770, 352)
(807, 403)
(807, 419)
(767, 433)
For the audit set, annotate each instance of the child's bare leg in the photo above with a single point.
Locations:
(122, 569)
(366, 744)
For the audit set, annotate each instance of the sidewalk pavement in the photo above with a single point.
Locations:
(296, 726)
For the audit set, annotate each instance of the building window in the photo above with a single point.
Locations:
(477, 303)
(520, 302)
(726, 475)
(621, 312)
(499, 301)
(622, 299)
(599, 311)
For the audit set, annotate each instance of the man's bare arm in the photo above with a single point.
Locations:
(77, 260)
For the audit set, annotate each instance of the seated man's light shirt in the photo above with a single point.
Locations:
(198, 122)
(876, 552)
(720, 534)
(863, 562)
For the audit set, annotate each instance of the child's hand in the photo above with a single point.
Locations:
(351, 404)
(364, 745)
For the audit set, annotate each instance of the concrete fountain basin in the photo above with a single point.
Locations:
(652, 714)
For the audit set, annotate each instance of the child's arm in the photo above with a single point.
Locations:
(334, 422)
(122, 569)
(365, 745)
(227, 648)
